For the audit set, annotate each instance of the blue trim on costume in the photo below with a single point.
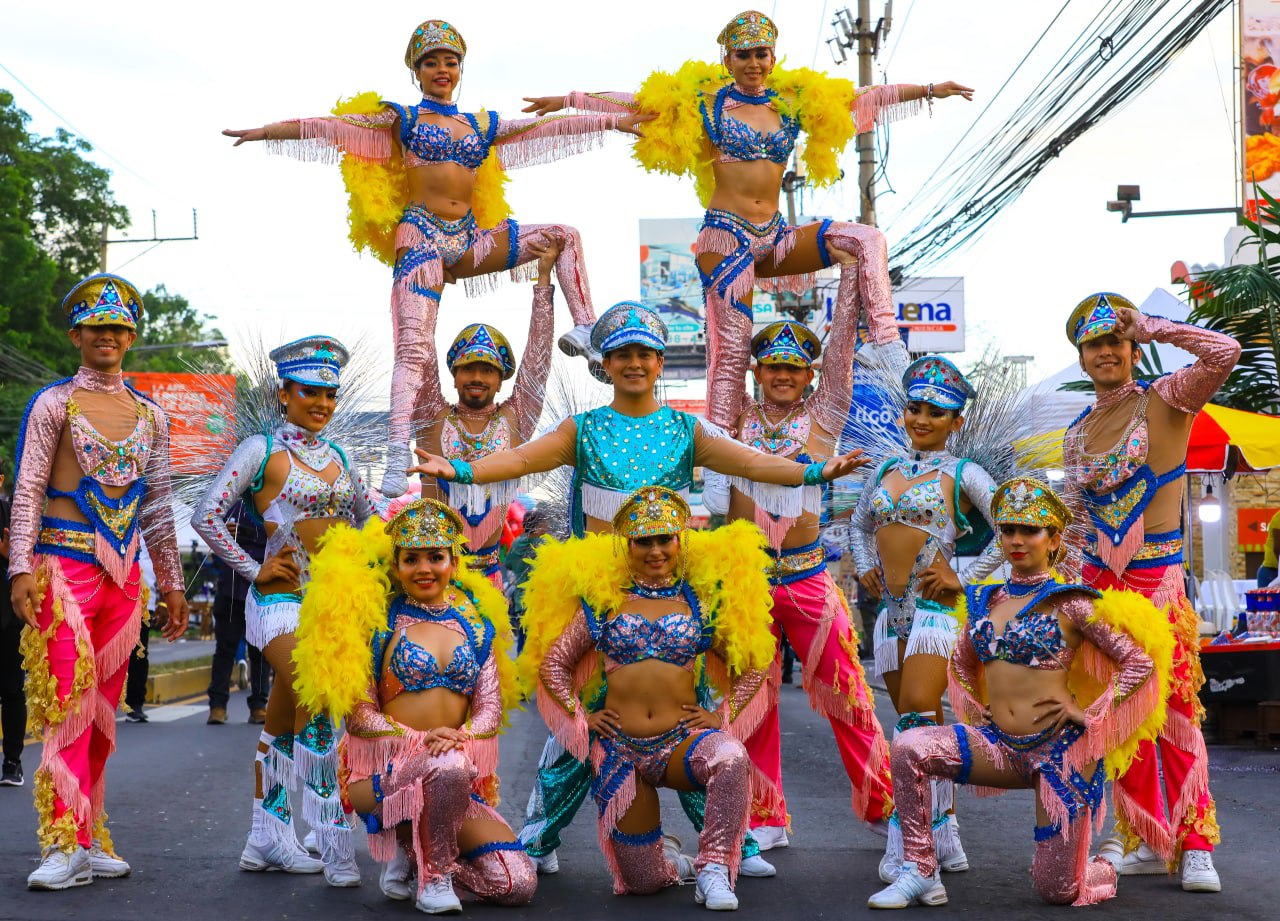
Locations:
(641, 840)
(688, 752)
(89, 497)
(1047, 832)
(22, 426)
(513, 236)
(822, 243)
(276, 597)
(966, 754)
(378, 795)
(372, 823)
(489, 847)
(82, 556)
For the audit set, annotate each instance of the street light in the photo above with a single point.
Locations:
(1210, 510)
(1126, 195)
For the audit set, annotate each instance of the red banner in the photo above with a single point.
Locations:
(200, 408)
(1251, 527)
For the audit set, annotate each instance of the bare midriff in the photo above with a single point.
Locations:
(748, 188)
(805, 530)
(900, 544)
(648, 696)
(1012, 689)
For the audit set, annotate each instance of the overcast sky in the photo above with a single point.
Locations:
(152, 84)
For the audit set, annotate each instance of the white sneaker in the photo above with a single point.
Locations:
(770, 836)
(757, 867)
(1112, 851)
(1143, 862)
(671, 846)
(259, 857)
(395, 481)
(105, 866)
(577, 341)
(547, 864)
(880, 827)
(438, 898)
(395, 876)
(951, 856)
(343, 873)
(59, 870)
(1198, 874)
(713, 889)
(310, 843)
(910, 887)
(891, 862)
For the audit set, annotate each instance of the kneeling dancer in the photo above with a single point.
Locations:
(1054, 680)
(641, 609)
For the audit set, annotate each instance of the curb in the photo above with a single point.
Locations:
(178, 684)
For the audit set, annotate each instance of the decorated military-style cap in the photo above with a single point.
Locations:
(748, 30)
(1028, 501)
(651, 510)
(1095, 316)
(935, 380)
(626, 323)
(482, 343)
(786, 343)
(426, 523)
(313, 360)
(433, 35)
(103, 300)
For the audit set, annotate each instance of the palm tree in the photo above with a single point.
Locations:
(1244, 301)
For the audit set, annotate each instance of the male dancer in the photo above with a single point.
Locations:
(93, 475)
(480, 359)
(807, 603)
(1125, 458)
(614, 450)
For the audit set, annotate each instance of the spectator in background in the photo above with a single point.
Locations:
(13, 698)
(519, 558)
(1268, 570)
(228, 625)
(135, 690)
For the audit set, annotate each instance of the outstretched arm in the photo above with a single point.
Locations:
(531, 141)
(530, 385)
(552, 450)
(369, 136)
(875, 105)
(608, 101)
(724, 455)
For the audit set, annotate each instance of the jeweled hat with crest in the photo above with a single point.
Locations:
(424, 524)
(650, 511)
(103, 300)
(433, 35)
(935, 380)
(627, 323)
(786, 343)
(748, 30)
(1095, 316)
(482, 343)
(1030, 502)
(311, 360)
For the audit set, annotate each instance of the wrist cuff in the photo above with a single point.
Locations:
(813, 473)
(462, 472)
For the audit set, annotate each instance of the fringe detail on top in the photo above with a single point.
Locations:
(337, 137)
(882, 105)
(569, 729)
(472, 497)
(554, 138)
(787, 503)
(366, 757)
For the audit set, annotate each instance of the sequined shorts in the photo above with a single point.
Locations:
(616, 758)
(269, 616)
(445, 240)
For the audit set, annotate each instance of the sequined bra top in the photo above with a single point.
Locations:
(111, 463)
(1031, 638)
(627, 638)
(922, 505)
(414, 668)
(425, 142)
(307, 494)
(737, 141)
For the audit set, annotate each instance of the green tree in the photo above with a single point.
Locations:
(169, 319)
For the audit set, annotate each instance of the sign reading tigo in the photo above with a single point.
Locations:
(1260, 99)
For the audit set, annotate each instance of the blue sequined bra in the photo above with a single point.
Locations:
(1031, 638)
(417, 669)
(627, 638)
(737, 141)
(424, 142)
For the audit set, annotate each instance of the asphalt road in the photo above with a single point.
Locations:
(179, 793)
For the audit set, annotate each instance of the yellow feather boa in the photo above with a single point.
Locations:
(727, 571)
(378, 190)
(676, 142)
(1133, 614)
(346, 601)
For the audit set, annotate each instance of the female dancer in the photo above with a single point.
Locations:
(424, 711)
(1052, 678)
(904, 535)
(733, 129)
(640, 608)
(301, 485)
(426, 193)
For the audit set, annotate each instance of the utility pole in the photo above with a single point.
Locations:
(154, 238)
(860, 31)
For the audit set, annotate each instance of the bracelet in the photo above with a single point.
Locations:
(928, 98)
(462, 472)
(813, 474)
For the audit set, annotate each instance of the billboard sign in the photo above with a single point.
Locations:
(1260, 99)
(930, 312)
(200, 408)
(669, 281)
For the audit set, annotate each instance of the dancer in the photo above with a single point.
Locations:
(426, 195)
(614, 450)
(637, 611)
(480, 359)
(301, 485)
(421, 751)
(1051, 678)
(1125, 458)
(92, 478)
(807, 604)
(904, 534)
(733, 128)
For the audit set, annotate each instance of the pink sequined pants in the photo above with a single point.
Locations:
(415, 302)
(87, 656)
(1061, 870)
(816, 620)
(728, 287)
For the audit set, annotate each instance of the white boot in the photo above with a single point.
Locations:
(713, 889)
(770, 836)
(951, 855)
(60, 870)
(910, 887)
(394, 879)
(309, 842)
(438, 898)
(395, 481)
